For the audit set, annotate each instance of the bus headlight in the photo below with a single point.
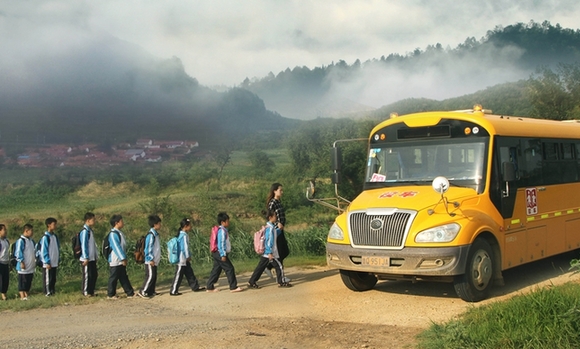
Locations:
(443, 233)
(335, 233)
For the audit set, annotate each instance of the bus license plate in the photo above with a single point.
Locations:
(376, 261)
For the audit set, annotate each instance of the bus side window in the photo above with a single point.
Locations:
(569, 168)
(531, 166)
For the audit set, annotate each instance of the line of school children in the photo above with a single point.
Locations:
(46, 254)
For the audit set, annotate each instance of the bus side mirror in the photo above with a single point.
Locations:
(509, 171)
(335, 177)
(336, 159)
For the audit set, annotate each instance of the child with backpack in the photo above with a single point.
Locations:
(117, 258)
(220, 256)
(271, 255)
(25, 254)
(49, 255)
(88, 256)
(183, 266)
(4, 262)
(152, 251)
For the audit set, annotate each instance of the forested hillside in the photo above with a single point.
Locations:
(503, 56)
(109, 91)
(112, 90)
(510, 98)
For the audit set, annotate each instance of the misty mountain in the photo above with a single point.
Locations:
(340, 89)
(102, 88)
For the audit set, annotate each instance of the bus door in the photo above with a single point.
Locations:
(511, 202)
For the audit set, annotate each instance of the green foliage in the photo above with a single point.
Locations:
(163, 207)
(262, 165)
(309, 148)
(556, 94)
(38, 194)
(511, 98)
(546, 318)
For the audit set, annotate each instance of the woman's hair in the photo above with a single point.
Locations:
(271, 195)
(184, 223)
(268, 213)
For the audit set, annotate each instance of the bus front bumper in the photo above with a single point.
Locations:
(407, 263)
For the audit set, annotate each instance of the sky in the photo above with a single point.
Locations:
(221, 42)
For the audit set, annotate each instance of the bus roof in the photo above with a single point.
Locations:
(494, 124)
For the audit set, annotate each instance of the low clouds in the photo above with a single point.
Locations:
(225, 41)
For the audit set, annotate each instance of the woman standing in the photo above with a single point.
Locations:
(273, 203)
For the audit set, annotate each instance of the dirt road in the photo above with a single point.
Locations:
(318, 312)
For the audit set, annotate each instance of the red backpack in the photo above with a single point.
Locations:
(213, 239)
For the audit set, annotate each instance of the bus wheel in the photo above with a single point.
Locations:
(474, 285)
(358, 281)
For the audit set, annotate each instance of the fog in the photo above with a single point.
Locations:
(84, 54)
(436, 76)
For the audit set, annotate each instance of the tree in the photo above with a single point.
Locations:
(261, 163)
(310, 148)
(222, 156)
(554, 95)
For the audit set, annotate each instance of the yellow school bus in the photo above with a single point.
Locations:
(459, 197)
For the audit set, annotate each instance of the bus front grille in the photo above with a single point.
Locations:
(379, 230)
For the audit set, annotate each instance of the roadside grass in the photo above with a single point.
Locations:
(548, 317)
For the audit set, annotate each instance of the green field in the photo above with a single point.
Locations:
(173, 190)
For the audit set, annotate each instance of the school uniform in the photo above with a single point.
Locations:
(117, 271)
(49, 255)
(270, 247)
(88, 253)
(4, 265)
(224, 247)
(281, 243)
(183, 267)
(152, 254)
(25, 253)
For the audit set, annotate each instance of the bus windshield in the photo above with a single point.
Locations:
(461, 162)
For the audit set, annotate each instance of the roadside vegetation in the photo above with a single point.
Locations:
(549, 317)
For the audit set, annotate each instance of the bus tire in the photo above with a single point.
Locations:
(358, 281)
(475, 284)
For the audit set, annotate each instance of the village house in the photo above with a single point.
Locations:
(87, 155)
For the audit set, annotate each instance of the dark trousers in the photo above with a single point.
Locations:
(4, 277)
(262, 264)
(218, 266)
(24, 282)
(89, 280)
(119, 273)
(148, 288)
(48, 280)
(180, 271)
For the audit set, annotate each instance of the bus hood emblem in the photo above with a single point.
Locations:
(376, 224)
